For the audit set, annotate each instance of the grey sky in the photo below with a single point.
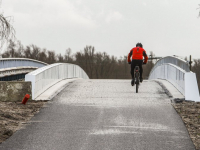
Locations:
(166, 27)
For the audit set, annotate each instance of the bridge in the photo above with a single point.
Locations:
(86, 114)
(16, 68)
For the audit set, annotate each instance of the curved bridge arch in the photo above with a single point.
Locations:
(45, 77)
(181, 63)
(20, 62)
(176, 71)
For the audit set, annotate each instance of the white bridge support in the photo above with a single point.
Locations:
(45, 77)
(177, 74)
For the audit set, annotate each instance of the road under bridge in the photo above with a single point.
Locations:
(104, 115)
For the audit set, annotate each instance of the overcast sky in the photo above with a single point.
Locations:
(166, 27)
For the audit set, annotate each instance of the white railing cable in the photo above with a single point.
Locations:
(45, 77)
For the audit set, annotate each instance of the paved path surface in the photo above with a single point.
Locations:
(104, 115)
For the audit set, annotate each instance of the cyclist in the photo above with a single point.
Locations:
(137, 54)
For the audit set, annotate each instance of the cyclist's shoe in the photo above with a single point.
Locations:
(141, 79)
(132, 82)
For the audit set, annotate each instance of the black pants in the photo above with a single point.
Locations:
(136, 63)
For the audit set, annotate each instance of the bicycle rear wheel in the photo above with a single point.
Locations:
(137, 81)
(137, 85)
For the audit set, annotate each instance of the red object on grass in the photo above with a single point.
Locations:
(25, 99)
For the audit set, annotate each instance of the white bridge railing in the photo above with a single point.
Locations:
(177, 74)
(175, 61)
(45, 77)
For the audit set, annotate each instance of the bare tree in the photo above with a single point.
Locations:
(43, 55)
(89, 55)
(6, 30)
(68, 58)
(35, 51)
(11, 48)
(20, 49)
(27, 52)
(60, 58)
(51, 57)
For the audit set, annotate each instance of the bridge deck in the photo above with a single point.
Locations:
(105, 115)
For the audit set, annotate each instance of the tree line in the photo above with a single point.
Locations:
(97, 65)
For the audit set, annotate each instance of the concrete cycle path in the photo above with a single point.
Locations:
(104, 115)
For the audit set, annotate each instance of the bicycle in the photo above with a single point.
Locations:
(137, 77)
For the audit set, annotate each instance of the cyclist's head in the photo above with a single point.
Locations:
(139, 45)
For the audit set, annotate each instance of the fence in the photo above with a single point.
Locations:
(177, 73)
(45, 77)
(175, 61)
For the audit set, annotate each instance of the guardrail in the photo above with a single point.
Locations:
(181, 63)
(20, 62)
(7, 72)
(47, 76)
(180, 77)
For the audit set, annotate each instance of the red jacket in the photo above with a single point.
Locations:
(137, 53)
